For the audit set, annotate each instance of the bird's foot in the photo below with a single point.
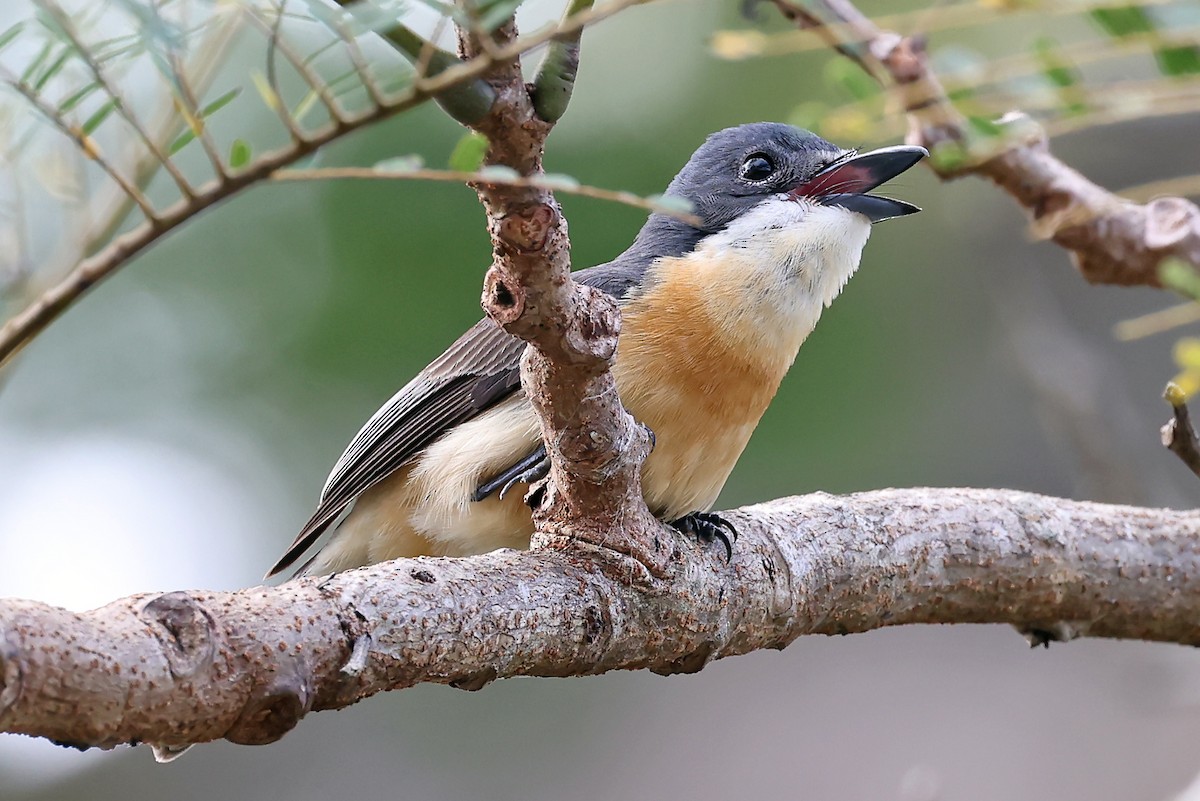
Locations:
(533, 467)
(707, 527)
(535, 472)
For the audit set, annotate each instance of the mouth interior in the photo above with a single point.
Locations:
(860, 173)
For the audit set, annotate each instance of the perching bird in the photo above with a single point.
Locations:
(712, 318)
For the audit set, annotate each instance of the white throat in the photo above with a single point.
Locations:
(792, 258)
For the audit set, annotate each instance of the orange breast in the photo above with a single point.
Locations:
(699, 376)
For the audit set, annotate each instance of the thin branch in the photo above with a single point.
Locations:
(202, 65)
(738, 44)
(1157, 322)
(313, 81)
(1111, 239)
(360, 62)
(470, 101)
(122, 109)
(1178, 436)
(428, 51)
(84, 143)
(555, 79)
(189, 104)
(27, 323)
(188, 667)
(485, 178)
(1186, 185)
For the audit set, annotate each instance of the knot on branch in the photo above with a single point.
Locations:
(693, 662)
(1170, 221)
(185, 630)
(272, 714)
(594, 327)
(503, 299)
(526, 230)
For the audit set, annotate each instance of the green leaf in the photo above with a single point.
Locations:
(448, 10)
(239, 154)
(10, 34)
(1180, 276)
(961, 93)
(493, 15)
(947, 155)
(1055, 66)
(54, 68)
(498, 172)
(985, 127)
(845, 74)
(77, 97)
(1122, 20)
(558, 180)
(220, 103)
(671, 203)
(37, 62)
(153, 26)
(469, 152)
(181, 142)
(98, 116)
(410, 163)
(1178, 60)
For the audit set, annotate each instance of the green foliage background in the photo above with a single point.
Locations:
(252, 344)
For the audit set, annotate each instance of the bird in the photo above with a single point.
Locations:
(714, 310)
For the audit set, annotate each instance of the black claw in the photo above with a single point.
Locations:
(537, 472)
(708, 526)
(533, 467)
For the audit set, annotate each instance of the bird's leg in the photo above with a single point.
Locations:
(707, 526)
(535, 472)
(533, 467)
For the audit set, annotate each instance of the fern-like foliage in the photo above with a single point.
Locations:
(122, 119)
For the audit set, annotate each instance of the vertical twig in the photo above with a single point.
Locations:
(1178, 436)
(314, 81)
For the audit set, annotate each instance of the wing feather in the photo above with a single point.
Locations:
(481, 368)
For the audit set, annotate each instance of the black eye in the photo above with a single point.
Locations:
(757, 167)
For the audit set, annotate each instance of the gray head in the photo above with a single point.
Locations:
(738, 168)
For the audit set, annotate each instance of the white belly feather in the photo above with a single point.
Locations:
(704, 347)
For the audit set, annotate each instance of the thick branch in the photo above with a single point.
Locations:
(1112, 240)
(246, 666)
(596, 449)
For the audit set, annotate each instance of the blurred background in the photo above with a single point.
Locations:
(174, 429)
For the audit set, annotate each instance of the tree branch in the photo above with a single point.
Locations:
(386, 172)
(23, 326)
(1112, 240)
(593, 494)
(246, 666)
(1178, 436)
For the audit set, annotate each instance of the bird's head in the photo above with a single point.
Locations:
(739, 168)
(783, 216)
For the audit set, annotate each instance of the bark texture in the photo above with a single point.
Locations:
(1112, 240)
(188, 667)
(596, 448)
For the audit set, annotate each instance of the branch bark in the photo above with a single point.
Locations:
(1112, 240)
(593, 494)
(246, 666)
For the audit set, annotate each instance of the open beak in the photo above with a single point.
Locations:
(847, 182)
